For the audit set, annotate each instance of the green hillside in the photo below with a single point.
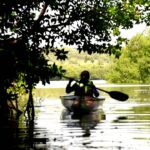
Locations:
(97, 64)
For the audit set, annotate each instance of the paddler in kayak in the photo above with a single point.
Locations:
(83, 87)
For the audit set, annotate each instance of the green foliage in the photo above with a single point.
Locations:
(96, 64)
(133, 66)
(30, 30)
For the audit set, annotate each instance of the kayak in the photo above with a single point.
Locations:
(80, 105)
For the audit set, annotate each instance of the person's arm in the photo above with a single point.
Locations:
(95, 91)
(69, 88)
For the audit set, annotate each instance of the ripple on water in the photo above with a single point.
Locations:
(118, 128)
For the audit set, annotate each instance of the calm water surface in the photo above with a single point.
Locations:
(117, 125)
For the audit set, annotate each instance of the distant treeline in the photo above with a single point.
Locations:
(133, 66)
(97, 64)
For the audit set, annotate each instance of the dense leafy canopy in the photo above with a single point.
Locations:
(90, 25)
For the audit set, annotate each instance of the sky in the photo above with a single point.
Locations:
(141, 28)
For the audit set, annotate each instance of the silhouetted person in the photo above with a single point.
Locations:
(83, 87)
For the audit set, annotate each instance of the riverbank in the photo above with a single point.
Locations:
(98, 83)
(63, 84)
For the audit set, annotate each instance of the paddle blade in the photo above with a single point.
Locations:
(118, 95)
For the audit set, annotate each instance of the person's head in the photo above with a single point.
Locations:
(85, 76)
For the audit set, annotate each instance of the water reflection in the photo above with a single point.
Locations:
(118, 126)
(85, 121)
(26, 136)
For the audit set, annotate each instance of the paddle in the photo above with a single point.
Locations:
(116, 94)
(113, 94)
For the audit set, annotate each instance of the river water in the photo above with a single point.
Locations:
(115, 126)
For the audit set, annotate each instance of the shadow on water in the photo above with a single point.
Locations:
(24, 137)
